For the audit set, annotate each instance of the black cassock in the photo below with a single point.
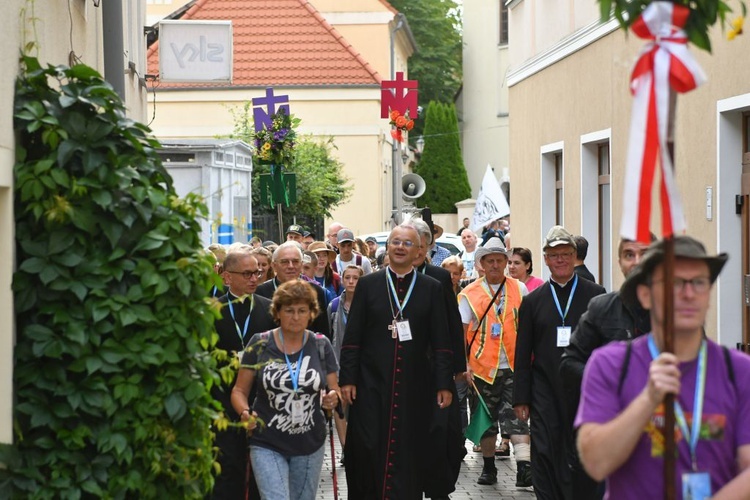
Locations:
(232, 443)
(387, 437)
(538, 384)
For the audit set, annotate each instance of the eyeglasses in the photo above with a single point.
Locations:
(700, 284)
(249, 274)
(560, 256)
(286, 262)
(401, 243)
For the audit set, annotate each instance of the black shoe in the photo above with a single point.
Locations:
(488, 477)
(523, 476)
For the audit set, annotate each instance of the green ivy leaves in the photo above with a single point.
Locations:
(112, 372)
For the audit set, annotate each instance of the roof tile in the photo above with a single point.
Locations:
(280, 42)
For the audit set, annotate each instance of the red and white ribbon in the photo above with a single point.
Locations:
(663, 63)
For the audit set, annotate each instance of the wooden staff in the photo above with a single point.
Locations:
(668, 326)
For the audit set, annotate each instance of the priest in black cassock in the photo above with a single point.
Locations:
(446, 436)
(546, 319)
(243, 314)
(287, 264)
(396, 324)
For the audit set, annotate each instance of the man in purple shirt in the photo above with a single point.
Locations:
(621, 413)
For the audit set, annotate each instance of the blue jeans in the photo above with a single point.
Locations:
(286, 478)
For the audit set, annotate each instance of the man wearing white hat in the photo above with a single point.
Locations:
(489, 312)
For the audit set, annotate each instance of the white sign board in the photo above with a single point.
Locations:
(195, 51)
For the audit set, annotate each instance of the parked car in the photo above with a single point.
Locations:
(449, 241)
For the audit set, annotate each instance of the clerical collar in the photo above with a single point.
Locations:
(562, 285)
(390, 269)
(237, 298)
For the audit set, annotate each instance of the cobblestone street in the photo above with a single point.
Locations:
(466, 488)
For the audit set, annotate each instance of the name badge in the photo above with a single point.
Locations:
(563, 336)
(404, 330)
(298, 413)
(496, 329)
(696, 485)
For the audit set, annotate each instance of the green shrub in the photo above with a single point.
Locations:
(442, 166)
(112, 372)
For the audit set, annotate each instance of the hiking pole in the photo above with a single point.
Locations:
(329, 417)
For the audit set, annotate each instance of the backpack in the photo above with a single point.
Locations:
(626, 362)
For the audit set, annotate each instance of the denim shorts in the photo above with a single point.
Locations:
(281, 477)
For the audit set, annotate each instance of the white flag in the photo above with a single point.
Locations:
(491, 202)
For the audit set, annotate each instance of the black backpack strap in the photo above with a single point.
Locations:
(624, 369)
(730, 366)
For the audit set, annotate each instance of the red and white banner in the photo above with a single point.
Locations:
(663, 63)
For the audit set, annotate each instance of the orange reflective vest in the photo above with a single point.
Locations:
(484, 358)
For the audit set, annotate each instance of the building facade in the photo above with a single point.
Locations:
(570, 105)
(107, 36)
(329, 58)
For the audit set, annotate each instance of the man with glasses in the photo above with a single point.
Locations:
(547, 317)
(333, 231)
(287, 264)
(243, 314)
(396, 367)
(621, 414)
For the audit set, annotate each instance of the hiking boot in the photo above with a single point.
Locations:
(523, 476)
(489, 476)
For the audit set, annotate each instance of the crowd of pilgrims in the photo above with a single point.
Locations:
(343, 332)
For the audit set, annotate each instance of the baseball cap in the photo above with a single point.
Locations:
(557, 236)
(345, 235)
(294, 228)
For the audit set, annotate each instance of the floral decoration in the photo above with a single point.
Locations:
(401, 124)
(703, 15)
(275, 145)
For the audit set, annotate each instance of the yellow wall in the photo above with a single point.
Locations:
(351, 116)
(588, 92)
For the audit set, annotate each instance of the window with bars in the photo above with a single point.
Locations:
(503, 26)
(559, 188)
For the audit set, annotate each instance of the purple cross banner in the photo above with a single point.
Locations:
(265, 107)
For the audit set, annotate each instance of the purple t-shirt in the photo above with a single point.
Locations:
(725, 416)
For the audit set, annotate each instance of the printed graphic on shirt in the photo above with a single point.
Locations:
(712, 429)
(281, 397)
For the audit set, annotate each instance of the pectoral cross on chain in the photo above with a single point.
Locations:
(393, 327)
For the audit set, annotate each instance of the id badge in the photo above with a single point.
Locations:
(696, 486)
(496, 329)
(563, 336)
(298, 413)
(404, 331)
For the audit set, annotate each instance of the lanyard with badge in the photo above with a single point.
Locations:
(399, 327)
(696, 485)
(563, 332)
(298, 414)
(242, 333)
(496, 329)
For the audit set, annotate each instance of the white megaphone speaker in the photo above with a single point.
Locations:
(412, 187)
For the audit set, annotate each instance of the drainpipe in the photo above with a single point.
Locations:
(114, 45)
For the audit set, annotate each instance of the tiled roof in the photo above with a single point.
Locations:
(280, 43)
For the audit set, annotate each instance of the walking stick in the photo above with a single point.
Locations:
(329, 417)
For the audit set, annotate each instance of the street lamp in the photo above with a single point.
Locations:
(420, 144)
(400, 23)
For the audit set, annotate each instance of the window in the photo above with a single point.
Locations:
(558, 188)
(503, 26)
(605, 207)
(746, 132)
